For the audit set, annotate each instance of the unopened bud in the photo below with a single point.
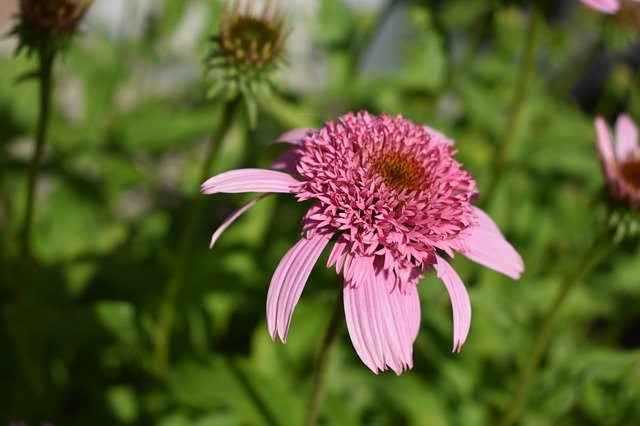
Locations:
(47, 25)
(246, 53)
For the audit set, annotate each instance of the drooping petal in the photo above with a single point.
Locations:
(288, 281)
(295, 136)
(487, 246)
(249, 180)
(232, 217)
(626, 138)
(381, 322)
(413, 312)
(604, 6)
(460, 304)
(603, 140)
(409, 289)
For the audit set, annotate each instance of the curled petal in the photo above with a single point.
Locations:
(288, 281)
(382, 322)
(232, 217)
(626, 138)
(249, 180)
(460, 304)
(604, 6)
(487, 246)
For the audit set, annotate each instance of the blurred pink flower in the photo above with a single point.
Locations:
(604, 6)
(391, 197)
(620, 161)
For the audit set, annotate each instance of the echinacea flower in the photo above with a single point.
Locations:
(392, 199)
(620, 161)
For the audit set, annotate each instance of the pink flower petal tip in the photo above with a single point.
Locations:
(604, 6)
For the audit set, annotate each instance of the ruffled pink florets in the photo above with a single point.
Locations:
(390, 187)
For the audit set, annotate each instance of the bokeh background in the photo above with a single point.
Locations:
(131, 121)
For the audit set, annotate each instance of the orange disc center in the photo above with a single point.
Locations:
(400, 171)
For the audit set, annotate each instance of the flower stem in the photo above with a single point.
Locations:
(322, 363)
(162, 334)
(590, 260)
(520, 93)
(45, 76)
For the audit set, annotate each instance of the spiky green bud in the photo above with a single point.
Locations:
(246, 53)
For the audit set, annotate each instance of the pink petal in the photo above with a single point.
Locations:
(288, 281)
(460, 304)
(338, 254)
(357, 270)
(295, 136)
(382, 322)
(604, 6)
(603, 140)
(287, 160)
(487, 246)
(229, 220)
(249, 180)
(626, 138)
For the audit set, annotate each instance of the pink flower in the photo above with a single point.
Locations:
(392, 199)
(621, 163)
(604, 6)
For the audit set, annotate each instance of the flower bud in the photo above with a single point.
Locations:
(246, 53)
(47, 25)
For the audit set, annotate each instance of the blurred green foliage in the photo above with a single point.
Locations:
(130, 123)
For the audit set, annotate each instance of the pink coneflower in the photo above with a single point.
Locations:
(392, 199)
(621, 163)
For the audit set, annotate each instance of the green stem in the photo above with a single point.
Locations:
(165, 318)
(45, 75)
(590, 260)
(322, 365)
(520, 93)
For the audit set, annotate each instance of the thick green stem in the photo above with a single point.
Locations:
(516, 110)
(590, 260)
(45, 76)
(165, 318)
(322, 365)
